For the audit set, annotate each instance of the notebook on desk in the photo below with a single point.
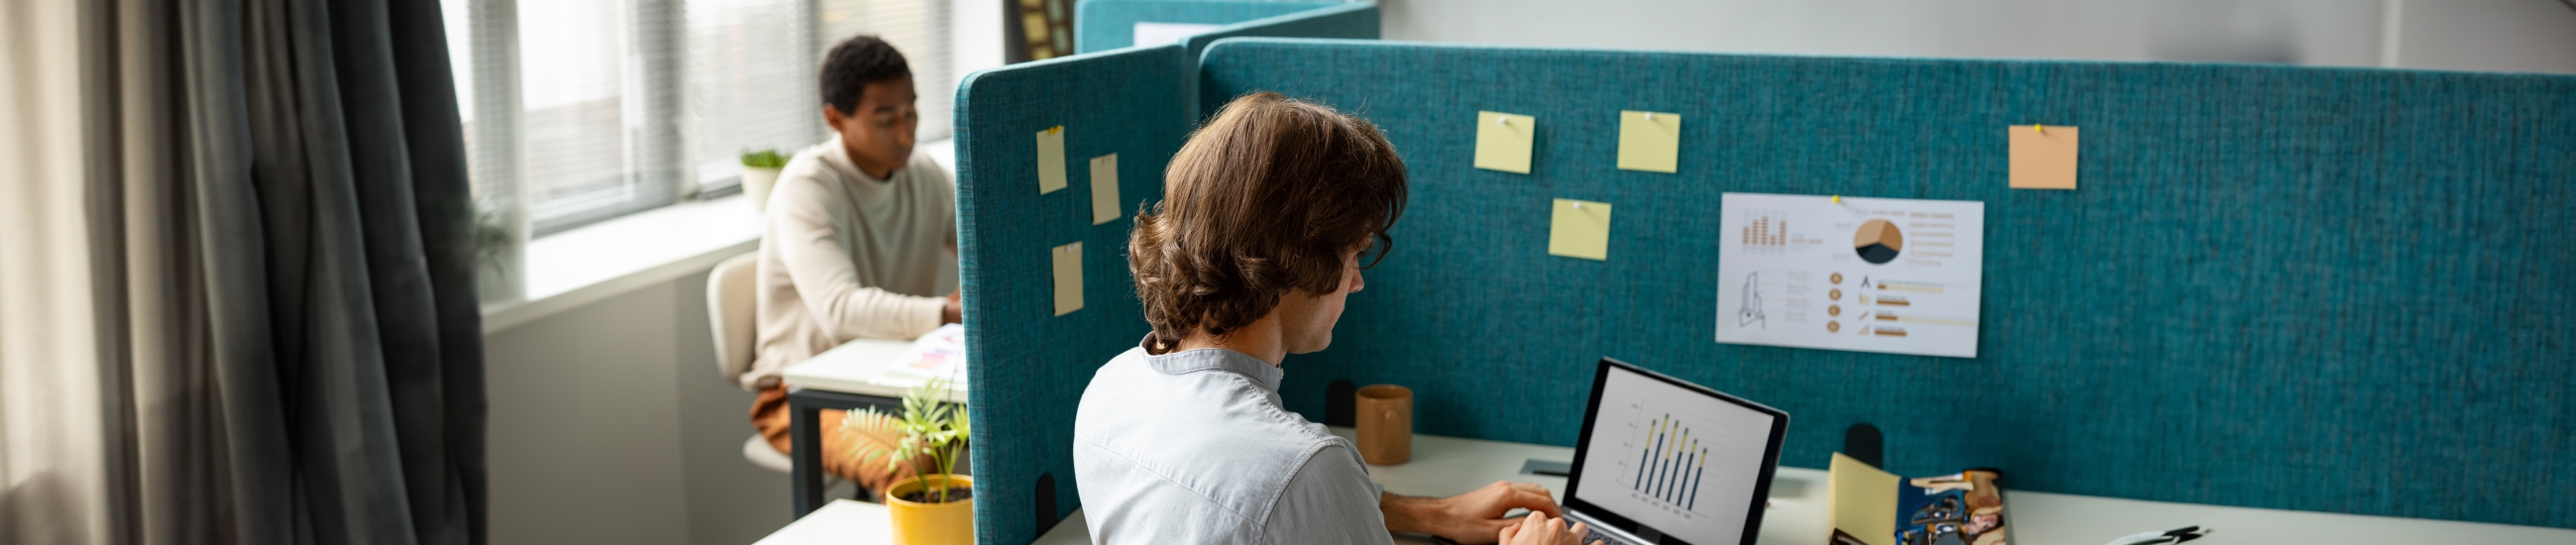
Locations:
(1665, 461)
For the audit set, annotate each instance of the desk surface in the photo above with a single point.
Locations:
(847, 368)
(842, 522)
(1444, 466)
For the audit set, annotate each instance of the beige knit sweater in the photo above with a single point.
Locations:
(848, 256)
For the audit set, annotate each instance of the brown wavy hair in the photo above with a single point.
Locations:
(1265, 198)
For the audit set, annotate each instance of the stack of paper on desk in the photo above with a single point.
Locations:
(942, 353)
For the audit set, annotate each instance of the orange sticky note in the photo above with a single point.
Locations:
(2043, 156)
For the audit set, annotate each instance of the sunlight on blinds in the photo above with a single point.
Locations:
(918, 28)
(750, 83)
(572, 60)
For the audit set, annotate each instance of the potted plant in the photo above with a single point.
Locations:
(935, 505)
(497, 257)
(759, 173)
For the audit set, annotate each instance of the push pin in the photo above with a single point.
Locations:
(2038, 128)
(1650, 116)
(1578, 205)
(1500, 120)
(1838, 199)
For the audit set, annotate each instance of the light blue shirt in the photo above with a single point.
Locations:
(1193, 447)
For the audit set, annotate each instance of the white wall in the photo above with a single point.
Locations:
(2505, 35)
(2490, 35)
(609, 425)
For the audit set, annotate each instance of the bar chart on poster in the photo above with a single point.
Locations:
(1845, 273)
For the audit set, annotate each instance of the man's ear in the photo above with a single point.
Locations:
(832, 116)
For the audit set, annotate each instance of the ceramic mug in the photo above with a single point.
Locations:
(1385, 424)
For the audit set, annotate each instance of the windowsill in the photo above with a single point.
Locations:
(597, 261)
(594, 262)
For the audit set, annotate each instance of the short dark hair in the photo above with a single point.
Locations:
(1266, 198)
(853, 64)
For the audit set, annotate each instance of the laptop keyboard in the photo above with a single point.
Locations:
(1591, 535)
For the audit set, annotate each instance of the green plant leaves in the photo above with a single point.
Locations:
(928, 425)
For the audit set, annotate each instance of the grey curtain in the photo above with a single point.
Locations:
(326, 205)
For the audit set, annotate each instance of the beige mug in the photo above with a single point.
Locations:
(1385, 424)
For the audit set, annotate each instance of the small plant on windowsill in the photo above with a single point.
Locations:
(936, 505)
(759, 173)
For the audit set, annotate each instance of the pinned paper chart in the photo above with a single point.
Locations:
(1901, 276)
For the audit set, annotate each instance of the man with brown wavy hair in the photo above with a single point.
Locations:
(1259, 239)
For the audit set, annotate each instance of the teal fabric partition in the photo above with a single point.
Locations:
(1355, 20)
(2302, 288)
(1109, 24)
(1102, 25)
(1030, 365)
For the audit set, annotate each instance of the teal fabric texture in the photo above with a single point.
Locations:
(1030, 365)
(1355, 20)
(1102, 25)
(2301, 288)
(1110, 24)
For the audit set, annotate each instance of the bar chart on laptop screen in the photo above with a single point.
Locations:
(1664, 459)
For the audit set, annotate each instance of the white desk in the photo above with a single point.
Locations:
(847, 368)
(837, 379)
(1445, 466)
(842, 522)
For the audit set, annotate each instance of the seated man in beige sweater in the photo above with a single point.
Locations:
(859, 231)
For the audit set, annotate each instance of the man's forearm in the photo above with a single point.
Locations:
(1408, 514)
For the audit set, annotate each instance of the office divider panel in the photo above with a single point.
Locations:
(1355, 20)
(2305, 288)
(1110, 23)
(1102, 25)
(1030, 365)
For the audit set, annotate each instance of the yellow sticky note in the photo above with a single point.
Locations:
(1861, 500)
(1104, 188)
(1051, 159)
(1068, 277)
(1503, 141)
(2043, 156)
(1581, 229)
(1649, 141)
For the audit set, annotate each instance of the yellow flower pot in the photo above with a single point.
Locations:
(915, 523)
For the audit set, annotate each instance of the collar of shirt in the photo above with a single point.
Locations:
(1216, 359)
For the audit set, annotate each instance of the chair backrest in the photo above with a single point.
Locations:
(730, 316)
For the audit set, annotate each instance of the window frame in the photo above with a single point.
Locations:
(659, 148)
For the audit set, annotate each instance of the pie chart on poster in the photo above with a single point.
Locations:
(1878, 241)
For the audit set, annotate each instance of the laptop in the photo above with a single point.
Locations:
(1664, 461)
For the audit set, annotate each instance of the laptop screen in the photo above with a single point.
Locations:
(1680, 459)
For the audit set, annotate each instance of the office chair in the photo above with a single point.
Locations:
(731, 295)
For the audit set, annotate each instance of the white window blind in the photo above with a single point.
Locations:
(583, 110)
(750, 83)
(918, 28)
(575, 108)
